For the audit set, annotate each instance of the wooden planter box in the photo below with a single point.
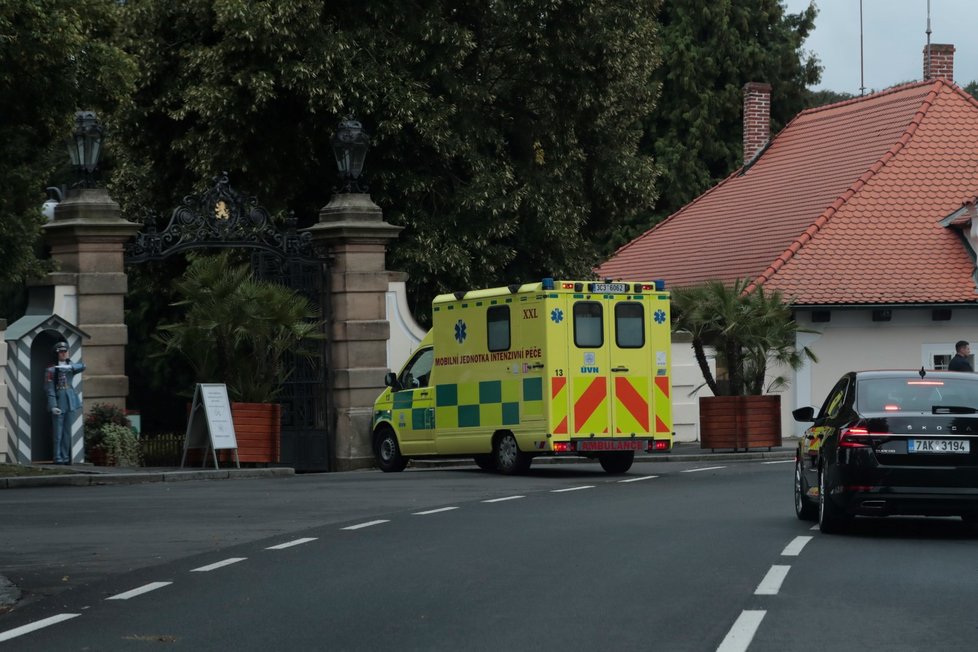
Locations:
(258, 433)
(740, 422)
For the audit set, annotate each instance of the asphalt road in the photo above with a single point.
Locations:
(668, 557)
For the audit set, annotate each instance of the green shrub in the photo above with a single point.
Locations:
(101, 415)
(120, 444)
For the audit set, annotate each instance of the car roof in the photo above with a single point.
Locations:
(911, 373)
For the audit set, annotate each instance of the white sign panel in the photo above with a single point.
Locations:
(210, 424)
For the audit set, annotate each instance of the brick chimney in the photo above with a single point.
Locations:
(939, 64)
(757, 118)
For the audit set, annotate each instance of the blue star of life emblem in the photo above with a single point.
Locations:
(556, 315)
(659, 316)
(460, 331)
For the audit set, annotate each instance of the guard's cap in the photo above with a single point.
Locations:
(60, 346)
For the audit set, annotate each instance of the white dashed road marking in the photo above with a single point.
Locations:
(33, 627)
(499, 500)
(814, 527)
(367, 524)
(560, 491)
(742, 632)
(771, 583)
(705, 468)
(793, 549)
(289, 544)
(220, 564)
(644, 477)
(435, 511)
(152, 586)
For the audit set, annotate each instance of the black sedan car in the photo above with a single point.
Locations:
(890, 442)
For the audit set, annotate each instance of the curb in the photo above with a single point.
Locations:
(92, 479)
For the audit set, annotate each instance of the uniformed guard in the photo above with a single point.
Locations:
(63, 400)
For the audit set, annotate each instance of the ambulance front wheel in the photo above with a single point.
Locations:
(510, 460)
(389, 457)
(617, 462)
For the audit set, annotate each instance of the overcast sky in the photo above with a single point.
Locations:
(894, 36)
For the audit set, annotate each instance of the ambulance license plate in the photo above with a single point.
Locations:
(613, 445)
(610, 288)
(938, 446)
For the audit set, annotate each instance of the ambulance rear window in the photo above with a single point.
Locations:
(497, 328)
(588, 320)
(629, 325)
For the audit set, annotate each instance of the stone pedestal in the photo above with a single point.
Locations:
(87, 237)
(352, 232)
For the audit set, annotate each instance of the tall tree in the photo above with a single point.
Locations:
(56, 56)
(710, 49)
(505, 132)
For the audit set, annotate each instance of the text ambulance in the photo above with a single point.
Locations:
(550, 368)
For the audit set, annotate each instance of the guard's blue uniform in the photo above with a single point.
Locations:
(61, 395)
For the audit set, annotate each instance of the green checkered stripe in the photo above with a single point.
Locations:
(405, 401)
(487, 403)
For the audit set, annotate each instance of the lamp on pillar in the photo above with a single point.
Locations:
(85, 147)
(350, 143)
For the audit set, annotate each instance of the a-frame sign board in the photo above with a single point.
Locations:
(210, 425)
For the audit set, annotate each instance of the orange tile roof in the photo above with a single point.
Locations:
(843, 207)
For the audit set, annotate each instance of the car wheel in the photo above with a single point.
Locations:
(510, 460)
(804, 509)
(389, 457)
(831, 519)
(486, 462)
(617, 462)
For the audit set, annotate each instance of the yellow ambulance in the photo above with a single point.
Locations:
(576, 368)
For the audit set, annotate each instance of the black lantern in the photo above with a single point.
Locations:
(350, 144)
(85, 145)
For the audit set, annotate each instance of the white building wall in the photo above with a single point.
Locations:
(405, 333)
(5, 414)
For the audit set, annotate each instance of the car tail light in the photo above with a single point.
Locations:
(854, 438)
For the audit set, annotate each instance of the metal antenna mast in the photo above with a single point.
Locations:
(928, 71)
(862, 80)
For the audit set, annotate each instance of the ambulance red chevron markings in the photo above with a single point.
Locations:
(592, 398)
(632, 401)
(558, 402)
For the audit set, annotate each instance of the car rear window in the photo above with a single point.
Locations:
(916, 394)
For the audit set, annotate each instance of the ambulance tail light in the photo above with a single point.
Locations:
(659, 445)
(563, 447)
(642, 287)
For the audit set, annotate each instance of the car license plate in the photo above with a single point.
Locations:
(938, 446)
(610, 288)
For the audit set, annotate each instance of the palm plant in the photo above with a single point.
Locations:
(749, 331)
(239, 331)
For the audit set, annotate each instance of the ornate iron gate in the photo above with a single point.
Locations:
(223, 218)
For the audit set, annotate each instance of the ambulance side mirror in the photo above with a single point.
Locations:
(804, 414)
(390, 380)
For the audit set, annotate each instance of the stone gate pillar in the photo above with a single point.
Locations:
(352, 231)
(87, 237)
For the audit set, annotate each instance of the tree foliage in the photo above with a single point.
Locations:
(710, 49)
(56, 56)
(505, 132)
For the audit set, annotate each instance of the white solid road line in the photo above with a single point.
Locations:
(644, 477)
(435, 511)
(742, 632)
(771, 583)
(780, 462)
(793, 549)
(560, 491)
(499, 500)
(289, 544)
(220, 564)
(152, 586)
(705, 468)
(363, 525)
(33, 627)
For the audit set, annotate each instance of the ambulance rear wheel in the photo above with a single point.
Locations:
(617, 462)
(389, 457)
(509, 459)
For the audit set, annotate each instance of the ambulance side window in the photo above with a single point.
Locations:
(588, 325)
(629, 325)
(497, 328)
(418, 371)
